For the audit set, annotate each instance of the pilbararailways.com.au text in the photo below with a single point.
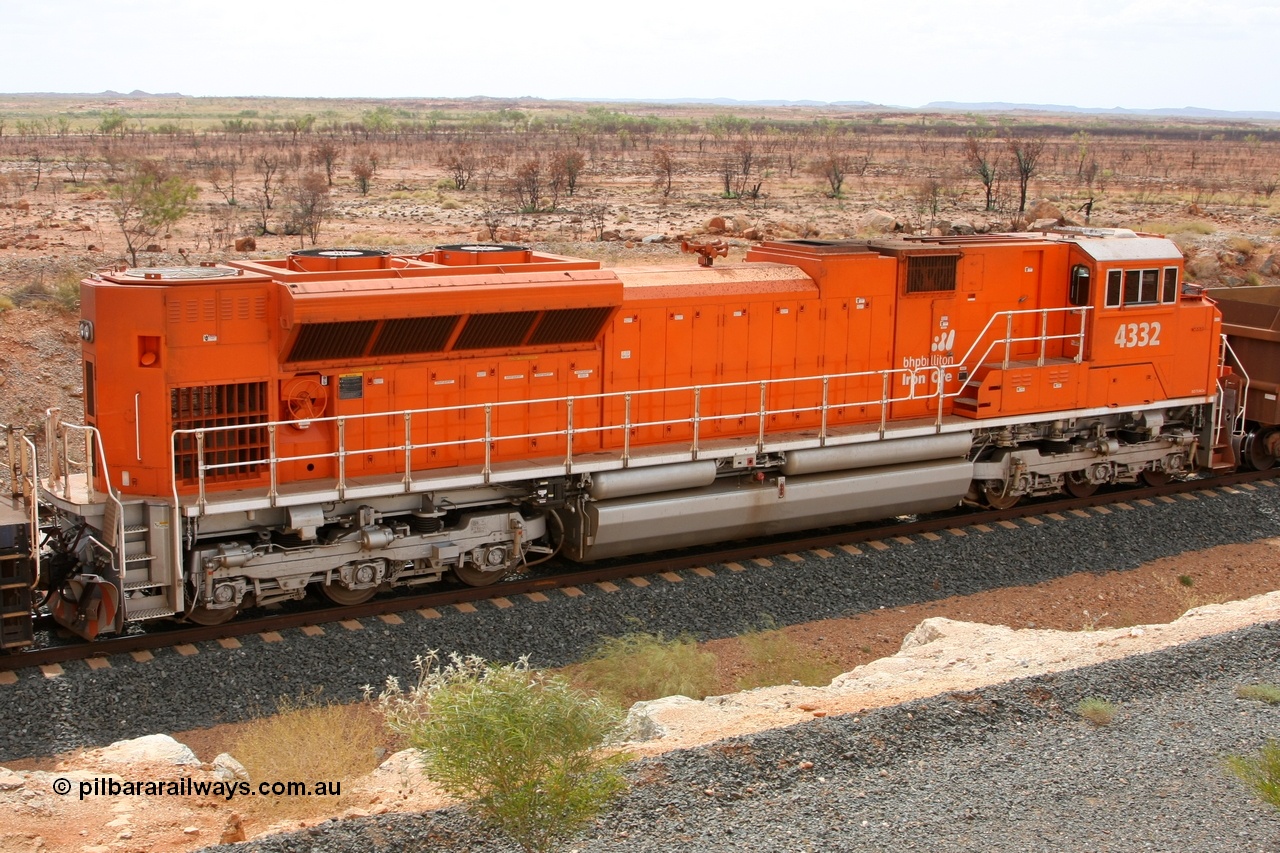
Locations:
(108, 786)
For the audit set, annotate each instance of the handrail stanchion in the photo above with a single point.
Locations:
(408, 451)
(822, 430)
(884, 402)
(488, 441)
(1044, 334)
(272, 463)
(568, 436)
(1008, 338)
(342, 458)
(200, 498)
(626, 432)
(764, 413)
(697, 419)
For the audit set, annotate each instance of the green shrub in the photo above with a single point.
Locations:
(523, 749)
(1100, 712)
(1268, 693)
(1260, 772)
(636, 667)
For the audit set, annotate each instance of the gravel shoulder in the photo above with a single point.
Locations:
(1009, 767)
(951, 762)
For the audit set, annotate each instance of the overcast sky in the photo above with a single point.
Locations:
(1217, 54)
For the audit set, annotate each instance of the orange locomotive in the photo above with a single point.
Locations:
(354, 420)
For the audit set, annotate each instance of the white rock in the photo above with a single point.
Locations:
(228, 769)
(642, 720)
(158, 748)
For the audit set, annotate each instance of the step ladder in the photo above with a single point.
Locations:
(148, 583)
(17, 577)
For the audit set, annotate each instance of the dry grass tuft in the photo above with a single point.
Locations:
(309, 742)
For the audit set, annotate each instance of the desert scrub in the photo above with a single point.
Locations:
(1261, 772)
(1268, 693)
(310, 741)
(774, 658)
(1192, 226)
(524, 750)
(1100, 712)
(639, 666)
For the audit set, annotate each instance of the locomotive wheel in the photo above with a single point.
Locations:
(472, 576)
(339, 594)
(994, 494)
(1154, 478)
(210, 616)
(1077, 485)
(1255, 453)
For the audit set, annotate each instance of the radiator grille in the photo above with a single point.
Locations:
(490, 331)
(328, 341)
(413, 335)
(570, 326)
(931, 273)
(243, 450)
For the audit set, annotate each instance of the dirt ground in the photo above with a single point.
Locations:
(1057, 625)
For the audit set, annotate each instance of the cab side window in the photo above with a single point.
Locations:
(1114, 280)
(1078, 295)
(1141, 287)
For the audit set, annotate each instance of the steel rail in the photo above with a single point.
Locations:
(692, 558)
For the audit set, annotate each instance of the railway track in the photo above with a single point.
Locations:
(746, 551)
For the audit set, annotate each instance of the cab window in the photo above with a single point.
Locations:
(1079, 293)
(1141, 287)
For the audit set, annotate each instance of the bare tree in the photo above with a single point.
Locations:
(75, 159)
(326, 153)
(222, 177)
(981, 164)
(1026, 155)
(462, 163)
(833, 166)
(268, 165)
(492, 215)
(39, 159)
(571, 163)
(526, 185)
(364, 164)
(664, 170)
(309, 205)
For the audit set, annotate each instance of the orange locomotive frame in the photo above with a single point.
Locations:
(315, 347)
(350, 421)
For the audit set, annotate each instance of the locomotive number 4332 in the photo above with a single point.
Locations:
(1138, 335)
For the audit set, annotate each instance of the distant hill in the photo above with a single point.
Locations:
(957, 106)
(932, 106)
(1173, 112)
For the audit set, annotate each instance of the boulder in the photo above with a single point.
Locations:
(716, 225)
(246, 244)
(655, 238)
(228, 769)
(1043, 224)
(642, 722)
(1203, 267)
(879, 220)
(158, 748)
(961, 226)
(1045, 209)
